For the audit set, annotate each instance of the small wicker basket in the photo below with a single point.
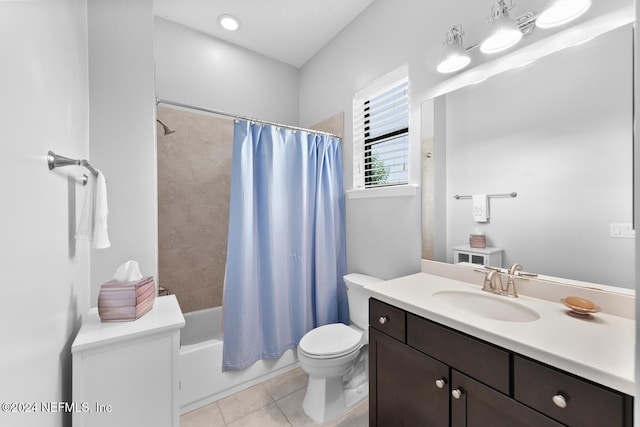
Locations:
(477, 241)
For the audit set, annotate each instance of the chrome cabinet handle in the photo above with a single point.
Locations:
(560, 400)
(383, 320)
(440, 383)
(457, 393)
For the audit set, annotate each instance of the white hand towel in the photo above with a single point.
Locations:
(93, 219)
(480, 208)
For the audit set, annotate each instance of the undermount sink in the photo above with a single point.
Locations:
(488, 306)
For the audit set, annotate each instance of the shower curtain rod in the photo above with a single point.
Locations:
(235, 116)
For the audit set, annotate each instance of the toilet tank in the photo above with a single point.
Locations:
(358, 299)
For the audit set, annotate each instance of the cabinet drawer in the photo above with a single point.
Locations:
(387, 318)
(587, 404)
(475, 358)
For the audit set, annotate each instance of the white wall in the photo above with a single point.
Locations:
(559, 133)
(383, 234)
(636, 200)
(123, 132)
(197, 69)
(45, 274)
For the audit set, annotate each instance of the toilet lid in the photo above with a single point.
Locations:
(335, 339)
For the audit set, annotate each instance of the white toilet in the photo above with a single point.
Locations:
(336, 358)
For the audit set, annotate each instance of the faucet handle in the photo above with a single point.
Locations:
(511, 285)
(515, 268)
(524, 273)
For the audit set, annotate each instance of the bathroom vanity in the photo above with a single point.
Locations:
(433, 363)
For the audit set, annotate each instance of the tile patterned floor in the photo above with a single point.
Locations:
(275, 403)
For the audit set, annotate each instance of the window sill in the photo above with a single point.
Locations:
(392, 191)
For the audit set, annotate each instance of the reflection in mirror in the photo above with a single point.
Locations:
(559, 133)
(428, 177)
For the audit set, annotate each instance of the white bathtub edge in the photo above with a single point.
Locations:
(192, 406)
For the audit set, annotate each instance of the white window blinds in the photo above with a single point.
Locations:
(381, 132)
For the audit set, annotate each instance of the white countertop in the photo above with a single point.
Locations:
(600, 349)
(164, 316)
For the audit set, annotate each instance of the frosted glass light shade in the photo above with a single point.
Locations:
(503, 34)
(561, 12)
(455, 58)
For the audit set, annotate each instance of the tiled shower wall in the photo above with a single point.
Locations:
(194, 179)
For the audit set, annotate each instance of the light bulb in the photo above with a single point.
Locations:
(453, 63)
(501, 39)
(229, 22)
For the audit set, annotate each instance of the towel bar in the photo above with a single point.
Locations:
(56, 161)
(512, 194)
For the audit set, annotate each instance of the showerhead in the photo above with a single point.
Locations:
(167, 129)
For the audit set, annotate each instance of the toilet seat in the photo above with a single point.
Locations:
(330, 341)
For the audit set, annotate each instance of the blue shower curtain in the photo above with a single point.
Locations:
(286, 244)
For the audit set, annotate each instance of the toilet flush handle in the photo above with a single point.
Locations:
(383, 320)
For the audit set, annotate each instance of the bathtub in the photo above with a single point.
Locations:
(201, 378)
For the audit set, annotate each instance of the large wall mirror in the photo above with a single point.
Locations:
(559, 133)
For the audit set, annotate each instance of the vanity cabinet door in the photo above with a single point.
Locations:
(475, 405)
(406, 387)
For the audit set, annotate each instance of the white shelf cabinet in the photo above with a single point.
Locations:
(479, 256)
(126, 373)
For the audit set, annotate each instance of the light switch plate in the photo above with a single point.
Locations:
(623, 231)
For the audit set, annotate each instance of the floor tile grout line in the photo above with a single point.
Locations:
(258, 409)
(261, 385)
(283, 413)
(224, 420)
(288, 394)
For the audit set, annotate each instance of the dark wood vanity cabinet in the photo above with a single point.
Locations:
(425, 374)
(482, 406)
(405, 379)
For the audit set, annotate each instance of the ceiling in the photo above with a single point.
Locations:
(291, 31)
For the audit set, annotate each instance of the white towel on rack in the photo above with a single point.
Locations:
(480, 208)
(93, 219)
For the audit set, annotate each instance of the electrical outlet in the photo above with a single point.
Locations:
(623, 231)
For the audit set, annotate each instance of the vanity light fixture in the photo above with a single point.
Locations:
(561, 12)
(503, 33)
(506, 32)
(455, 57)
(229, 22)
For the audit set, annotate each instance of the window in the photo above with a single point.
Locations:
(381, 132)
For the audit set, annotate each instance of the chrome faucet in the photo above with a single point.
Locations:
(493, 280)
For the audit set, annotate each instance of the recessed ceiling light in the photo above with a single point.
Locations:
(229, 22)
